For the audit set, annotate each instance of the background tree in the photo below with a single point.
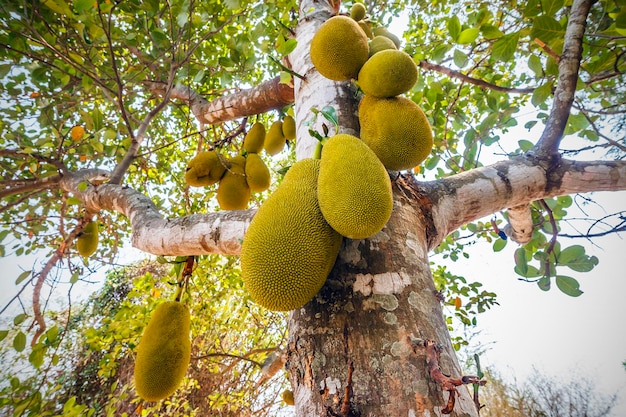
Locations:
(151, 83)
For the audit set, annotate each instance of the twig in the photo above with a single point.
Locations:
(555, 234)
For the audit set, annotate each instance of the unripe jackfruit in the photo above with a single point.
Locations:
(164, 352)
(380, 43)
(275, 140)
(397, 130)
(339, 48)
(204, 169)
(388, 73)
(233, 192)
(353, 188)
(383, 31)
(289, 128)
(365, 27)
(254, 139)
(87, 241)
(357, 11)
(257, 173)
(289, 249)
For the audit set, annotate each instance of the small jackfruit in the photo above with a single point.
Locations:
(257, 173)
(289, 127)
(87, 241)
(274, 140)
(339, 48)
(233, 192)
(353, 188)
(365, 27)
(289, 249)
(164, 352)
(397, 130)
(254, 139)
(388, 73)
(287, 396)
(380, 43)
(357, 11)
(206, 168)
(383, 31)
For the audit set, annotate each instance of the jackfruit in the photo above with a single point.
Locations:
(383, 31)
(388, 73)
(380, 43)
(206, 168)
(289, 128)
(397, 130)
(357, 11)
(257, 173)
(339, 48)
(254, 139)
(353, 188)
(287, 396)
(289, 249)
(87, 241)
(233, 192)
(164, 352)
(365, 27)
(275, 140)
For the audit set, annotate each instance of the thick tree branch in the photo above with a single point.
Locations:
(569, 64)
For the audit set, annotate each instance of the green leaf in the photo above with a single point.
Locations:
(460, 58)
(551, 7)
(330, 114)
(583, 264)
(546, 28)
(19, 341)
(83, 5)
(3, 334)
(22, 277)
(571, 253)
(499, 244)
(534, 63)
(285, 77)
(491, 32)
(544, 284)
(504, 48)
(468, 35)
(454, 27)
(525, 145)
(58, 6)
(36, 357)
(521, 263)
(52, 334)
(541, 94)
(19, 319)
(74, 278)
(568, 285)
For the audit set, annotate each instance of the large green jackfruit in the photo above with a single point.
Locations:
(289, 249)
(254, 139)
(380, 43)
(353, 188)
(275, 139)
(204, 169)
(233, 192)
(257, 173)
(289, 127)
(339, 48)
(397, 130)
(87, 241)
(164, 352)
(388, 73)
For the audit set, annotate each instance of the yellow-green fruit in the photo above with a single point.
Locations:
(164, 352)
(253, 142)
(357, 11)
(87, 241)
(275, 140)
(287, 396)
(289, 127)
(257, 173)
(353, 188)
(388, 73)
(289, 249)
(206, 168)
(383, 31)
(339, 48)
(397, 130)
(380, 43)
(233, 192)
(365, 27)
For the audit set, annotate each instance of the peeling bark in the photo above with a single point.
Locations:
(520, 227)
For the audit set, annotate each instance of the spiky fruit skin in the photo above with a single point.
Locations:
(397, 130)
(164, 352)
(388, 73)
(275, 140)
(257, 173)
(204, 169)
(87, 241)
(383, 31)
(289, 249)
(254, 139)
(380, 43)
(77, 132)
(233, 192)
(289, 128)
(357, 11)
(339, 48)
(353, 188)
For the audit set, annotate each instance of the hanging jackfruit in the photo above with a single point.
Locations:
(206, 168)
(289, 128)
(357, 11)
(353, 188)
(380, 43)
(397, 130)
(87, 241)
(383, 31)
(339, 48)
(289, 249)
(164, 352)
(275, 139)
(257, 173)
(254, 139)
(233, 192)
(388, 73)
